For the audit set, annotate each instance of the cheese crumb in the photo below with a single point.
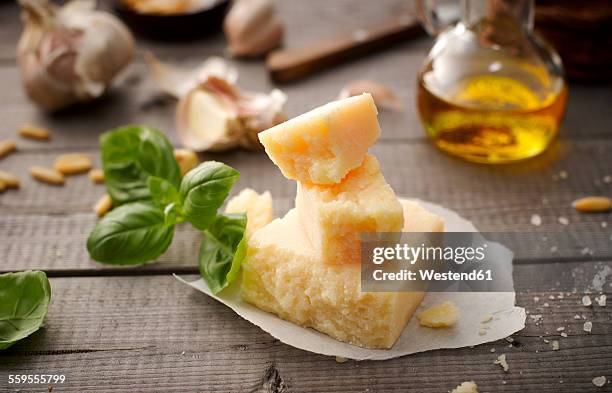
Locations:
(586, 301)
(466, 387)
(601, 300)
(536, 220)
(340, 359)
(487, 318)
(439, 316)
(555, 345)
(587, 327)
(501, 360)
(560, 329)
(563, 334)
(599, 381)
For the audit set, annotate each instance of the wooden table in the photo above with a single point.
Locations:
(138, 329)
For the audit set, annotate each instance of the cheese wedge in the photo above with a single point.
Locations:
(334, 217)
(283, 274)
(323, 145)
(258, 208)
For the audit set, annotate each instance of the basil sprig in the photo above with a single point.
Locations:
(143, 179)
(24, 300)
(130, 155)
(222, 250)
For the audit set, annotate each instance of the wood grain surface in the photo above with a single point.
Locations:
(138, 329)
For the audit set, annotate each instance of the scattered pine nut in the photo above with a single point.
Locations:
(34, 132)
(3, 186)
(9, 180)
(103, 205)
(593, 204)
(6, 147)
(96, 176)
(186, 159)
(70, 164)
(340, 359)
(47, 175)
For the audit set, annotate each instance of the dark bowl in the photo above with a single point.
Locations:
(174, 27)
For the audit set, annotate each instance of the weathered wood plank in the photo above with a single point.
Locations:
(45, 227)
(155, 334)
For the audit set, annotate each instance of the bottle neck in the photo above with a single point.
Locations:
(511, 14)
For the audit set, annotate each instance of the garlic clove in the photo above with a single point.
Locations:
(383, 96)
(212, 112)
(178, 81)
(252, 28)
(206, 122)
(71, 53)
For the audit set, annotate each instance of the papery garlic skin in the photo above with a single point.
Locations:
(252, 28)
(71, 53)
(383, 96)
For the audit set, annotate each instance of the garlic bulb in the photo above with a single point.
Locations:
(383, 96)
(71, 53)
(252, 28)
(212, 113)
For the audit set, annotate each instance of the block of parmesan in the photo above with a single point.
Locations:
(258, 208)
(335, 216)
(282, 274)
(323, 145)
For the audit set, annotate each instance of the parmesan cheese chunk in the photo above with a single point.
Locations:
(284, 275)
(323, 145)
(466, 387)
(441, 315)
(334, 217)
(258, 208)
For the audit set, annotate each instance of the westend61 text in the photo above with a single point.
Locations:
(432, 275)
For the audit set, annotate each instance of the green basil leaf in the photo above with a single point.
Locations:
(24, 300)
(162, 191)
(130, 155)
(222, 250)
(131, 234)
(204, 189)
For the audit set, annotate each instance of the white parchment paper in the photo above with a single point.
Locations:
(474, 307)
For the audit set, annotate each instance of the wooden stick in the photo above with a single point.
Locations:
(286, 65)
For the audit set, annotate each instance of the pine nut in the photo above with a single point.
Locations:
(103, 205)
(593, 204)
(47, 175)
(34, 132)
(69, 164)
(10, 180)
(186, 159)
(96, 176)
(7, 147)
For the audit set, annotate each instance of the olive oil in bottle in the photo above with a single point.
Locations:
(490, 90)
(490, 118)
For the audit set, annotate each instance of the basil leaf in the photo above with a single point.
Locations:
(204, 189)
(131, 154)
(222, 250)
(162, 191)
(24, 300)
(131, 234)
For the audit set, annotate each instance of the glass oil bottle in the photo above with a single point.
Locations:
(490, 90)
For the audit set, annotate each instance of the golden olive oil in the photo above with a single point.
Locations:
(490, 118)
